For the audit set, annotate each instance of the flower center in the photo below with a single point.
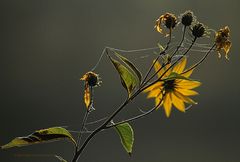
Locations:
(169, 85)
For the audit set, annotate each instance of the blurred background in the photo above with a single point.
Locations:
(46, 46)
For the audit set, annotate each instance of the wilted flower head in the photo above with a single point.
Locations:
(168, 19)
(91, 80)
(198, 30)
(222, 41)
(187, 18)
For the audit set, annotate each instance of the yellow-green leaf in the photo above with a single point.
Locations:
(128, 79)
(126, 135)
(131, 66)
(40, 136)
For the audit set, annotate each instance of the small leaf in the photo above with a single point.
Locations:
(128, 79)
(60, 158)
(174, 75)
(40, 136)
(131, 66)
(126, 135)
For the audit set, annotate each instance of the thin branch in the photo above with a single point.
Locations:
(155, 61)
(164, 64)
(181, 42)
(200, 61)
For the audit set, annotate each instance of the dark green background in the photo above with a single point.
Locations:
(46, 46)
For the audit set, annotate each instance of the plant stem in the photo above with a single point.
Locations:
(161, 53)
(164, 64)
(100, 128)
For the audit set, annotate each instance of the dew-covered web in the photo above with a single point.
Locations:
(148, 53)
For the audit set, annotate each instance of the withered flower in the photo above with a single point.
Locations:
(168, 19)
(91, 80)
(222, 41)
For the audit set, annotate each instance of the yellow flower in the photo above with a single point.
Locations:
(176, 92)
(168, 19)
(222, 41)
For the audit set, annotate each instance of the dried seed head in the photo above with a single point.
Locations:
(187, 18)
(198, 30)
(170, 20)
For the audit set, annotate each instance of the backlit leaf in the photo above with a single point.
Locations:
(128, 79)
(40, 136)
(131, 66)
(126, 135)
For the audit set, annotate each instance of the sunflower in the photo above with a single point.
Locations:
(176, 92)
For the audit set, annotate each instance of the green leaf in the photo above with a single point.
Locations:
(126, 135)
(128, 79)
(60, 158)
(131, 66)
(40, 136)
(174, 75)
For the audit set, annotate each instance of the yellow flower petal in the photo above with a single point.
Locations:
(87, 96)
(167, 104)
(158, 24)
(157, 66)
(180, 66)
(184, 98)
(157, 101)
(154, 93)
(179, 104)
(154, 86)
(187, 73)
(188, 84)
(187, 92)
(226, 48)
(168, 72)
